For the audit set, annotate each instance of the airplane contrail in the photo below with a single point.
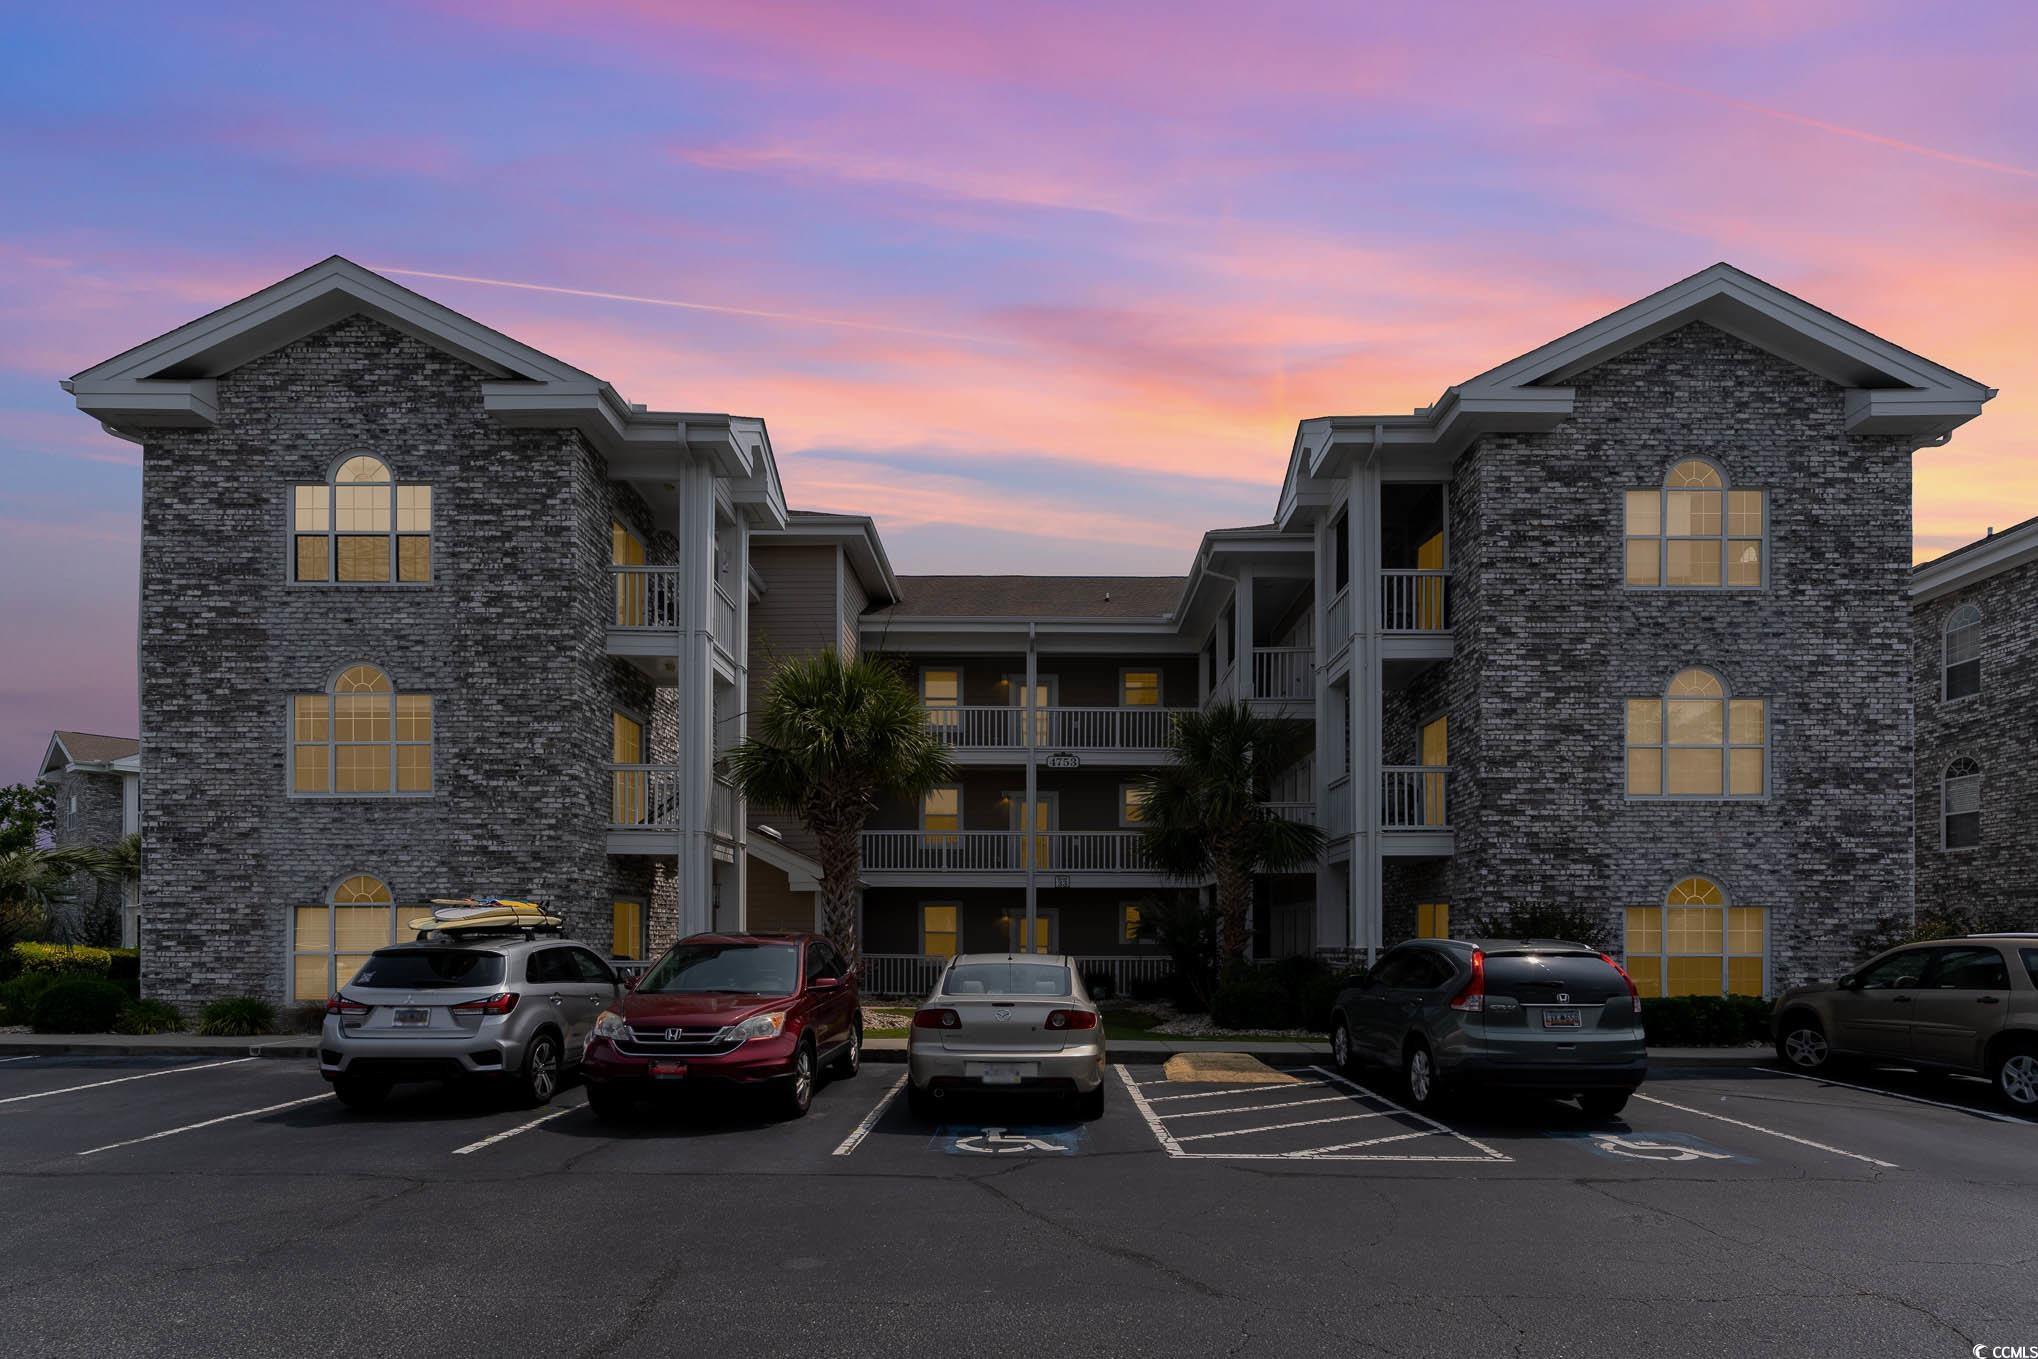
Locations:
(802, 318)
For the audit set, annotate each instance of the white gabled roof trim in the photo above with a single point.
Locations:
(1975, 563)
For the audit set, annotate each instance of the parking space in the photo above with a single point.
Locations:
(1319, 1116)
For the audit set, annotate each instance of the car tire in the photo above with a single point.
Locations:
(609, 1104)
(1604, 1103)
(2014, 1073)
(796, 1090)
(850, 1060)
(360, 1093)
(1343, 1055)
(922, 1105)
(538, 1077)
(1801, 1044)
(1090, 1104)
(1420, 1077)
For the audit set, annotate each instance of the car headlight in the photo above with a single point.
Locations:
(761, 1026)
(608, 1024)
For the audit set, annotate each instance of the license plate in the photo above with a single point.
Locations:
(406, 1019)
(668, 1071)
(1003, 1073)
(1560, 1019)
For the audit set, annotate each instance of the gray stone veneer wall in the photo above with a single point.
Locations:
(1995, 885)
(92, 916)
(507, 638)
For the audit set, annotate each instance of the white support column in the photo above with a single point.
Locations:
(1243, 602)
(694, 698)
(1329, 758)
(1029, 844)
(1366, 712)
(739, 727)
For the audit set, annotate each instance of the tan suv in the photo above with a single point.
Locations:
(1967, 1005)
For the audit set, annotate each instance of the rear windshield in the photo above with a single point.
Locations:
(725, 969)
(1006, 979)
(1585, 976)
(424, 969)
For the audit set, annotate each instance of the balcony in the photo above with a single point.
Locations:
(649, 613)
(1284, 674)
(644, 809)
(914, 974)
(1415, 601)
(722, 620)
(995, 734)
(1337, 622)
(1415, 810)
(1001, 858)
(1305, 812)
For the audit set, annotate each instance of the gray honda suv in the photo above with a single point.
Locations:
(510, 1010)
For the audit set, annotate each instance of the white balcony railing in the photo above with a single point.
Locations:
(990, 727)
(914, 974)
(643, 797)
(1223, 686)
(1337, 622)
(1415, 601)
(1305, 812)
(1284, 672)
(918, 851)
(1337, 805)
(1415, 797)
(722, 805)
(722, 620)
(647, 598)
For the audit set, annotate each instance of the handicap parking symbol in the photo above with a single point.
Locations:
(1006, 1141)
(1664, 1148)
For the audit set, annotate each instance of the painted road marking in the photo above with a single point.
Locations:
(1153, 1121)
(1664, 1148)
(1895, 1094)
(29, 1058)
(122, 1080)
(521, 1128)
(210, 1122)
(877, 1111)
(1235, 1090)
(1349, 1146)
(1756, 1127)
(1420, 1118)
(1005, 1142)
(1258, 1108)
(1278, 1127)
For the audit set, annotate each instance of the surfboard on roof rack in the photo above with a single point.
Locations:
(485, 915)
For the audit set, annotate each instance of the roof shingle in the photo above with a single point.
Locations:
(1150, 597)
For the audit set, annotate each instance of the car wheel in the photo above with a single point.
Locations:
(796, 1091)
(1603, 1103)
(1424, 1082)
(357, 1092)
(850, 1060)
(1802, 1044)
(1090, 1104)
(922, 1105)
(1342, 1055)
(2016, 1079)
(538, 1080)
(609, 1104)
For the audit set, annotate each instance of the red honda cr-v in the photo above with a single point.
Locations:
(765, 1010)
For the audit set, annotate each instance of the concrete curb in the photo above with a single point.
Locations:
(164, 1045)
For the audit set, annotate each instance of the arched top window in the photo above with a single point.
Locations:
(361, 527)
(1695, 532)
(1697, 741)
(1960, 804)
(1695, 943)
(329, 941)
(1961, 658)
(361, 738)
(361, 888)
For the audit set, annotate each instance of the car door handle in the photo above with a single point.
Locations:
(558, 1000)
(1987, 1000)
(1900, 1000)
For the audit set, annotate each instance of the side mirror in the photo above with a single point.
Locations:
(1850, 982)
(825, 984)
(630, 982)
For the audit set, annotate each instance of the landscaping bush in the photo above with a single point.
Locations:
(308, 1017)
(62, 959)
(1706, 1021)
(149, 1016)
(1252, 997)
(18, 997)
(79, 1005)
(124, 964)
(236, 1017)
(1319, 998)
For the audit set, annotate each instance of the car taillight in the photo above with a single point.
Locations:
(499, 1004)
(1634, 996)
(936, 1019)
(1071, 1019)
(337, 1004)
(1472, 1000)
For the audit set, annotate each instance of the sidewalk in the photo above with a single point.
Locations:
(304, 1047)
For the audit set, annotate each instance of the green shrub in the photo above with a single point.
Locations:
(309, 1017)
(18, 997)
(149, 1016)
(236, 1017)
(63, 959)
(1252, 997)
(124, 964)
(79, 1005)
(1706, 1021)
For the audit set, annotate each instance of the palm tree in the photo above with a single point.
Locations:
(833, 738)
(36, 882)
(1205, 812)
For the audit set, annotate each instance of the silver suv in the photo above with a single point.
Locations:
(511, 1009)
(1968, 1005)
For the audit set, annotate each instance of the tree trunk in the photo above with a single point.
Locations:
(839, 837)
(1234, 900)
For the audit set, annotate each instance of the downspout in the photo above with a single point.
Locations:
(1028, 840)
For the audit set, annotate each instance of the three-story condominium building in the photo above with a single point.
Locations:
(1621, 625)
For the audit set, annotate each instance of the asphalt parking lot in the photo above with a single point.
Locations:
(233, 1207)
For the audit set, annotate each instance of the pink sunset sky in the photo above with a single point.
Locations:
(1044, 287)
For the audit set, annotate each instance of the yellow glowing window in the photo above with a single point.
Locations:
(361, 527)
(940, 929)
(1695, 533)
(361, 738)
(1433, 920)
(630, 787)
(1140, 689)
(330, 941)
(1128, 919)
(1695, 742)
(626, 933)
(1695, 944)
(1131, 804)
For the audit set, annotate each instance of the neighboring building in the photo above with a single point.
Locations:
(1975, 674)
(1620, 625)
(96, 781)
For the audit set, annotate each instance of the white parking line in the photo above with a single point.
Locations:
(1258, 1108)
(520, 1129)
(1153, 1121)
(1420, 1118)
(1893, 1094)
(1235, 1090)
(29, 1058)
(877, 1111)
(122, 1080)
(1756, 1127)
(1352, 1146)
(194, 1127)
(1278, 1127)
